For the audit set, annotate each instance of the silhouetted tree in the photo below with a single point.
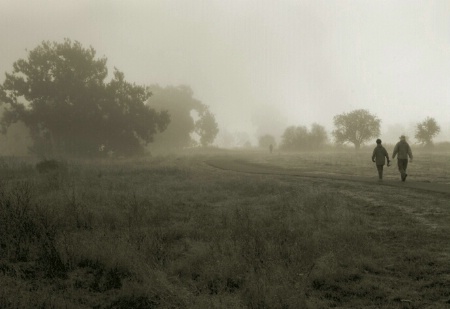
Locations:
(356, 127)
(266, 140)
(60, 94)
(183, 109)
(426, 131)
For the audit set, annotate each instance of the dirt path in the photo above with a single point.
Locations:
(239, 165)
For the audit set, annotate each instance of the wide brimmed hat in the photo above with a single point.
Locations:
(402, 137)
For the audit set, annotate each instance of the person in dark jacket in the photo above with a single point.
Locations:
(379, 156)
(403, 151)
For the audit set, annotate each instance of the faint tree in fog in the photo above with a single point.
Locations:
(318, 136)
(182, 106)
(225, 138)
(242, 139)
(356, 127)
(266, 140)
(300, 138)
(294, 138)
(59, 93)
(206, 127)
(17, 139)
(268, 118)
(426, 131)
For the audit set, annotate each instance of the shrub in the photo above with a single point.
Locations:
(46, 166)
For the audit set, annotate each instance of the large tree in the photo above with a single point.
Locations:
(356, 127)
(426, 131)
(60, 94)
(189, 116)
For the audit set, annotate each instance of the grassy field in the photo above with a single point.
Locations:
(174, 232)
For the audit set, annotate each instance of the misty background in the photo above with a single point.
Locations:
(264, 65)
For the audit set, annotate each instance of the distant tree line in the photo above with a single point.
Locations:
(61, 95)
(356, 127)
(360, 126)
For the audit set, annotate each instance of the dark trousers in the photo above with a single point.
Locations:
(402, 165)
(380, 171)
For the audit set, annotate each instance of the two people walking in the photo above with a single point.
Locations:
(402, 150)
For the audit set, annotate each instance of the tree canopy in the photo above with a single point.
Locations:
(206, 127)
(300, 138)
(426, 131)
(60, 94)
(189, 116)
(356, 127)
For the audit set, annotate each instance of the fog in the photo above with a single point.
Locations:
(262, 65)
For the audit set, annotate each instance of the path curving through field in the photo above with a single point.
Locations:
(243, 166)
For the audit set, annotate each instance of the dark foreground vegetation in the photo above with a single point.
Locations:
(173, 232)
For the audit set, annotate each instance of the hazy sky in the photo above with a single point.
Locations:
(292, 62)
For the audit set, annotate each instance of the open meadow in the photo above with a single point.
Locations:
(225, 229)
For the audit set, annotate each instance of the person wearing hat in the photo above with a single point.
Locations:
(403, 151)
(378, 156)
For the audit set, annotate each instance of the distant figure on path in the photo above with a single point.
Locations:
(404, 151)
(378, 156)
(271, 148)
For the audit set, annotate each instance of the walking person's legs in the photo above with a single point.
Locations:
(380, 171)
(402, 165)
(405, 165)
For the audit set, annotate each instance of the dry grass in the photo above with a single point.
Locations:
(172, 232)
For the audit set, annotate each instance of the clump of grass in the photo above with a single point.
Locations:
(26, 233)
(54, 172)
(50, 165)
(18, 227)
